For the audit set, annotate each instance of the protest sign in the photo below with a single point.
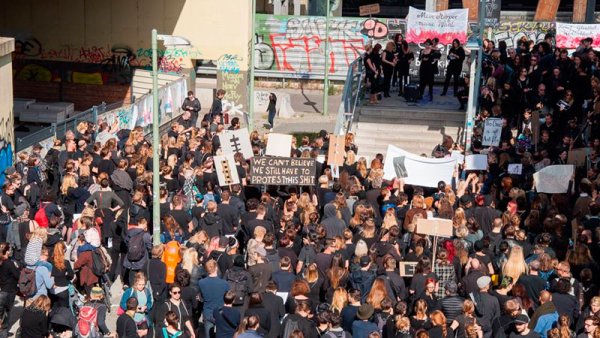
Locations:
(407, 269)
(444, 25)
(515, 168)
(279, 145)
(553, 179)
(492, 131)
(476, 162)
(417, 170)
(569, 35)
(282, 171)
(226, 170)
(578, 156)
(492, 13)
(460, 158)
(434, 227)
(234, 141)
(335, 155)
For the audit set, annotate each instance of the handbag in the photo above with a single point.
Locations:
(5, 216)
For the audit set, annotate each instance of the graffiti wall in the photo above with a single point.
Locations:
(7, 129)
(296, 45)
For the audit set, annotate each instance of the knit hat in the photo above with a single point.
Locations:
(483, 281)
(96, 292)
(33, 251)
(93, 237)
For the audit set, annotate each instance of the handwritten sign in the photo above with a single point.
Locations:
(234, 141)
(282, 171)
(492, 131)
(569, 35)
(492, 13)
(371, 9)
(515, 168)
(226, 170)
(435, 227)
(445, 25)
(553, 179)
(407, 269)
(234, 83)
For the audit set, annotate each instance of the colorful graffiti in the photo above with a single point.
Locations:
(6, 143)
(296, 45)
(228, 63)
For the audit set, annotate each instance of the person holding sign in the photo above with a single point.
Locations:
(456, 55)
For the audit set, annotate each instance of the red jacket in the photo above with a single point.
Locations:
(84, 263)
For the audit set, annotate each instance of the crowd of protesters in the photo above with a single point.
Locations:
(315, 261)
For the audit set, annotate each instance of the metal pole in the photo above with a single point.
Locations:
(326, 70)
(251, 75)
(155, 146)
(476, 80)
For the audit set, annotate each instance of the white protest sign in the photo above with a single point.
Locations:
(445, 25)
(553, 179)
(569, 35)
(455, 154)
(234, 141)
(279, 145)
(515, 168)
(492, 131)
(476, 162)
(417, 170)
(226, 170)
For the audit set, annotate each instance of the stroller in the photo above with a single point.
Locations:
(77, 299)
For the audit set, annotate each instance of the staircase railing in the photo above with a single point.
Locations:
(351, 97)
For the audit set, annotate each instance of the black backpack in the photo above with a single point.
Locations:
(99, 262)
(238, 282)
(136, 248)
(290, 327)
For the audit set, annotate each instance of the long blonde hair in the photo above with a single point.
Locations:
(515, 265)
(189, 259)
(69, 181)
(339, 300)
(377, 294)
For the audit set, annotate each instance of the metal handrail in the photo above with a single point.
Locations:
(350, 98)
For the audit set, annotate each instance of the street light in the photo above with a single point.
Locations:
(169, 40)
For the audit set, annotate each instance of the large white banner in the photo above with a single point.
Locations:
(417, 170)
(553, 179)
(444, 25)
(569, 35)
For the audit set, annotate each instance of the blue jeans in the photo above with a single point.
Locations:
(208, 326)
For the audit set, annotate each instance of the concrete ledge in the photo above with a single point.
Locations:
(7, 46)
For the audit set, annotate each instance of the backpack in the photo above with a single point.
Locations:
(26, 285)
(100, 264)
(238, 282)
(290, 327)
(41, 218)
(337, 334)
(87, 322)
(136, 248)
(363, 281)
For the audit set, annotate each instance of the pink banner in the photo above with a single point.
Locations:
(569, 35)
(444, 25)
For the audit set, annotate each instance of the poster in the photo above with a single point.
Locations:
(283, 171)
(569, 35)
(226, 170)
(553, 179)
(476, 162)
(492, 13)
(434, 227)
(515, 168)
(444, 25)
(279, 145)
(407, 269)
(234, 141)
(336, 152)
(492, 131)
(417, 170)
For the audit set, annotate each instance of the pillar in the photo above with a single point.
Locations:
(473, 6)
(547, 9)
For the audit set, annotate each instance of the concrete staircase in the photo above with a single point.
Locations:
(417, 129)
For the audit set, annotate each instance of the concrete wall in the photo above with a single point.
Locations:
(7, 141)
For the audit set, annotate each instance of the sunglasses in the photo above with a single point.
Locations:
(175, 292)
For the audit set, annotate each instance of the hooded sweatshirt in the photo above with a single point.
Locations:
(212, 224)
(333, 225)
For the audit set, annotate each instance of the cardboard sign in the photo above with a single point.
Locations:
(279, 145)
(476, 162)
(515, 168)
(435, 227)
(283, 171)
(492, 131)
(460, 158)
(371, 9)
(234, 141)
(554, 179)
(417, 170)
(407, 269)
(578, 156)
(226, 170)
(336, 153)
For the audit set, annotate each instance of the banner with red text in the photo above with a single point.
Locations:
(444, 25)
(569, 35)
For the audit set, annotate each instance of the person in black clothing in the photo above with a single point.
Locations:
(372, 62)
(192, 104)
(34, 319)
(428, 59)
(456, 57)
(389, 60)
(217, 105)
(398, 40)
(272, 109)
(62, 273)
(126, 327)
(175, 304)
(405, 58)
(227, 318)
(9, 276)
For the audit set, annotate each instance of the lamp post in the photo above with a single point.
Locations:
(326, 71)
(168, 40)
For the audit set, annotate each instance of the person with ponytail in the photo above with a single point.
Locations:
(9, 276)
(248, 328)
